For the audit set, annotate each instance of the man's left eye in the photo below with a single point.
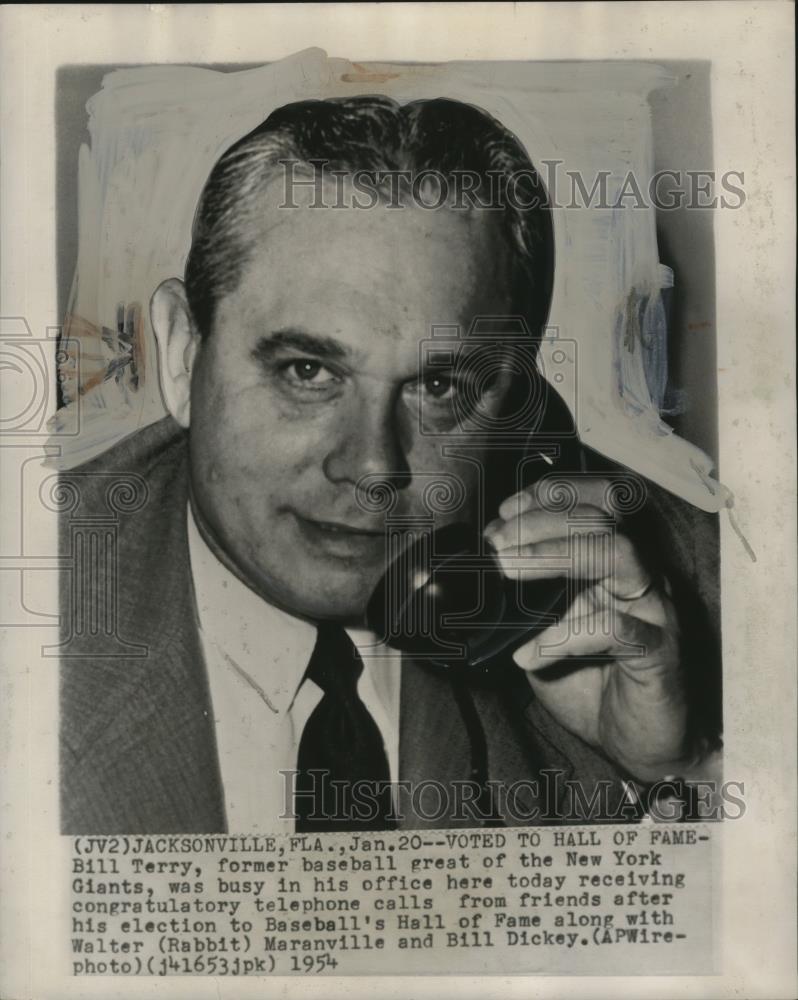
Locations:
(440, 386)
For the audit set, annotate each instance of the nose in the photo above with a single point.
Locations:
(367, 442)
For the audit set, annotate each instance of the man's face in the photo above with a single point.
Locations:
(312, 379)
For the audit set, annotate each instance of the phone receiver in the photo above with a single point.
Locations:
(445, 598)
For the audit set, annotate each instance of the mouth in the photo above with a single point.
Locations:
(338, 528)
(340, 539)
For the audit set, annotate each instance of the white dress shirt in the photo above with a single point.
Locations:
(256, 656)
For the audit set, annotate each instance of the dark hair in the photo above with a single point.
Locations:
(373, 134)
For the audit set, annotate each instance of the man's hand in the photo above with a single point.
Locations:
(609, 671)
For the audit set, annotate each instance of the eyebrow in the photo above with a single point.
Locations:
(301, 340)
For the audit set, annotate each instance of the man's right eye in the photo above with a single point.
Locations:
(306, 373)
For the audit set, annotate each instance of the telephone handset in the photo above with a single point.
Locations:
(445, 600)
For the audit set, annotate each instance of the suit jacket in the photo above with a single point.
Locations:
(137, 742)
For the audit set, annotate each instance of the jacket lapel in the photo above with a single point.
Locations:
(138, 746)
(435, 746)
(520, 762)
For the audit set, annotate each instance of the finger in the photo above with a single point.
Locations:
(598, 634)
(539, 525)
(594, 491)
(583, 555)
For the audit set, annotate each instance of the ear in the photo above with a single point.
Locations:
(178, 344)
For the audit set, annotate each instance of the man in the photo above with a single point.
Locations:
(291, 370)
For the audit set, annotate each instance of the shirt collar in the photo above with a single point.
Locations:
(269, 647)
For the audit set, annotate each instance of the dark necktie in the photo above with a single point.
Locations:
(343, 782)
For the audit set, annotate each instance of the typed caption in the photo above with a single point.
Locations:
(582, 900)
